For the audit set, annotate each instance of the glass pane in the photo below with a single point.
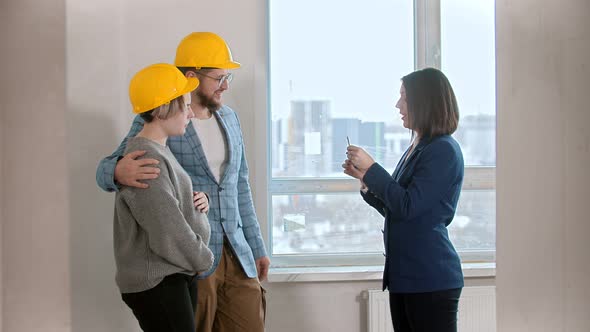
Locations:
(325, 224)
(474, 225)
(333, 75)
(468, 59)
(345, 224)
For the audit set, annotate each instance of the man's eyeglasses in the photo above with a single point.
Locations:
(220, 80)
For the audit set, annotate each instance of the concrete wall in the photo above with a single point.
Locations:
(2, 175)
(35, 222)
(543, 65)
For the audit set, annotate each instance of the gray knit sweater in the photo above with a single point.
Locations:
(158, 231)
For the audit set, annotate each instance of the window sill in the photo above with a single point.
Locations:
(361, 273)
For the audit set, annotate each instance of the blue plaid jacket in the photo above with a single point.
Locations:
(230, 201)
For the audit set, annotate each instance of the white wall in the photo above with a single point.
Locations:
(107, 42)
(2, 175)
(543, 65)
(56, 224)
(35, 224)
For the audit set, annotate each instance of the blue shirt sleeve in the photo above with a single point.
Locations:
(105, 172)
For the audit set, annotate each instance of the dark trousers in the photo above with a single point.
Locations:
(425, 312)
(170, 306)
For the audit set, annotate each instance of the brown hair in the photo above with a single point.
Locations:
(165, 111)
(432, 106)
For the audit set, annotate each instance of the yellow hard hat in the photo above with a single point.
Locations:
(158, 84)
(204, 49)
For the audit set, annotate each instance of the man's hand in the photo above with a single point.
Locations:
(201, 201)
(129, 171)
(262, 265)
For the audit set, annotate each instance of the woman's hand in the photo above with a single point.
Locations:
(201, 201)
(349, 169)
(359, 158)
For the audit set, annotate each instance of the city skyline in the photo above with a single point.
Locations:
(311, 143)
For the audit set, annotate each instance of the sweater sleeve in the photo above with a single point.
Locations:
(157, 210)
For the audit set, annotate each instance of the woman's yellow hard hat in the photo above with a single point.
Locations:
(158, 84)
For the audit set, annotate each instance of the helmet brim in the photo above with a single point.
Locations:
(232, 65)
(226, 65)
(191, 84)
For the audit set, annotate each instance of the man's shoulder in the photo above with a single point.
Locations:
(227, 112)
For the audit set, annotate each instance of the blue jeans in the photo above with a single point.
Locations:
(425, 312)
(170, 306)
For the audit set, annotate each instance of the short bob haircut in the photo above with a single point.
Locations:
(165, 111)
(432, 106)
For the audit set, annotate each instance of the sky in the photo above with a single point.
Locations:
(354, 54)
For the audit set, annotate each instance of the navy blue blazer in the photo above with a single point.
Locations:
(418, 202)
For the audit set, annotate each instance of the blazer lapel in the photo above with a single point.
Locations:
(219, 115)
(400, 164)
(197, 148)
(403, 164)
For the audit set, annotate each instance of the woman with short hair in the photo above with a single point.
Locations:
(160, 237)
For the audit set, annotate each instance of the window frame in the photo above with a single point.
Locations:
(427, 47)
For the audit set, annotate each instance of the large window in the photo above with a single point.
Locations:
(335, 69)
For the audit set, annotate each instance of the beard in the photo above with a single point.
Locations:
(208, 101)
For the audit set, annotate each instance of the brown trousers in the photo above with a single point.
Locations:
(229, 301)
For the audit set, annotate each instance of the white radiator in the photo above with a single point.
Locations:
(477, 310)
